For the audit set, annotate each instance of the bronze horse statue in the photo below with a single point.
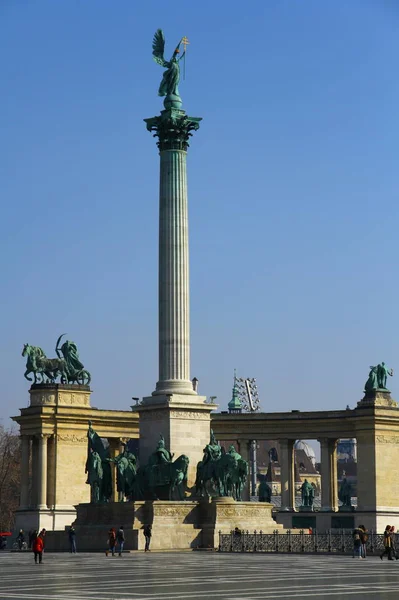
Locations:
(162, 481)
(38, 364)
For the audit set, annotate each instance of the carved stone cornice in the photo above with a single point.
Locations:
(173, 128)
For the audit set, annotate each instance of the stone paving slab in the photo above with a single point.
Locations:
(192, 576)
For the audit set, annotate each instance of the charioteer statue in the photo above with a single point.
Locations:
(67, 366)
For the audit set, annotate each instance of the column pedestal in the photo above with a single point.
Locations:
(184, 422)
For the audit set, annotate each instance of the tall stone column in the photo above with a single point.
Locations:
(35, 472)
(114, 447)
(42, 472)
(287, 474)
(329, 475)
(173, 129)
(174, 409)
(243, 448)
(25, 453)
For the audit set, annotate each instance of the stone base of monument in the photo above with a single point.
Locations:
(224, 514)
(180, 525)
(379, 397)
(305, 508)
(46, 518)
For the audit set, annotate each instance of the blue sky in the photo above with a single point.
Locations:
(293, 193)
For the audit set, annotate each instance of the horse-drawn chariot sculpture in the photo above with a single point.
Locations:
(66, 366)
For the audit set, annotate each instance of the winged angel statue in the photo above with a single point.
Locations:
(171, 77)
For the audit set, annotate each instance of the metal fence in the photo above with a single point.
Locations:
(300, 542)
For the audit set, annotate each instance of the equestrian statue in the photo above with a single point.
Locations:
(221, 473)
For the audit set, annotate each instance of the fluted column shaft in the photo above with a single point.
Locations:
(42, 472)
(286, 459)
(174, 309)
(243, 448)
(329, 475)
(25, 452)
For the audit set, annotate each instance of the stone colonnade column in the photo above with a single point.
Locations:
(243, 449)
(329, 475)
(287, 474)
(34, 480)
(25, 453)
(173, 129)
(42, 472)
(114, 451)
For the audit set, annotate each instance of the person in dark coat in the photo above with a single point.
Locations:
(387, 543)
(43, 536)
(147, 530)
(21, 539)
(393, 544)
(357, 543)
(120, 538)
(364, 536)
(111, 542)
(72, 539)
(31, 537)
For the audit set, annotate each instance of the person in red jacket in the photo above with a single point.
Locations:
(37, 548)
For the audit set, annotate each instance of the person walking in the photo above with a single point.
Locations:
(21, 539)
(43, 536)
(72, 539)
(31, 537)
(111, 542)
(357, 543)
(393, 544)
(387, 543)
(147, 534)
(364, 536)
(38, 547)
(120, 538)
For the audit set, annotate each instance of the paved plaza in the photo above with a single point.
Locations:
(192, 575)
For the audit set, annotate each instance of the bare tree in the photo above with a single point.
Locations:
(10, 475)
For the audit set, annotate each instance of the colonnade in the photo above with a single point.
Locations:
(38, 460)
(328, 472)
(34, 475)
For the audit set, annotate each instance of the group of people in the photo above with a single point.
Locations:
(116, 540)
(389, 544)
(360, 537)
(35, 543)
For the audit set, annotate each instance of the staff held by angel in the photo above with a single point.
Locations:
(171, 77)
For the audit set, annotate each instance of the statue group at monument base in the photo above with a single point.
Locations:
(176, 525)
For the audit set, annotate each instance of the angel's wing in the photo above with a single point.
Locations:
(158, 47)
